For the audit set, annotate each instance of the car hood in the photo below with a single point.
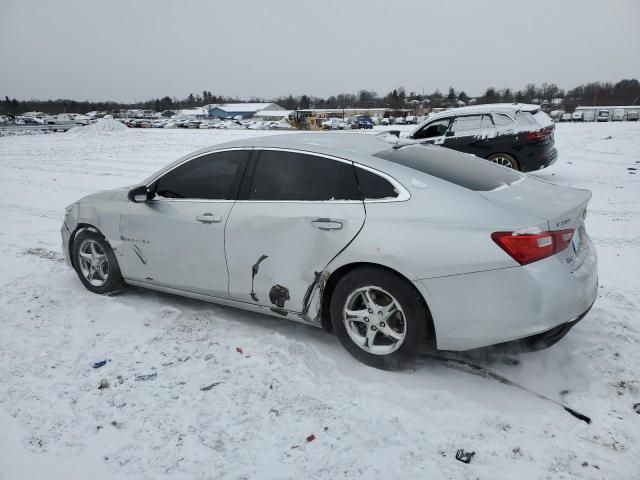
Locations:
(103, 195)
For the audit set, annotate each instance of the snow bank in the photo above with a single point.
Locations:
(101, 128)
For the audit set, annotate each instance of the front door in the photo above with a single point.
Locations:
(298, 212)
(434, 132)
(176, 239)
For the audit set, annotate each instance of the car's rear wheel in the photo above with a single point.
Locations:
(505, 160)
(96, 264)
(380, 318)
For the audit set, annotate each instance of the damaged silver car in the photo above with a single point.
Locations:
(396, 249)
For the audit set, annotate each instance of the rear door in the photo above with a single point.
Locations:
(465, 134)
(296, 212)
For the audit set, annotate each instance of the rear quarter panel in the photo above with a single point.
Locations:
(441, 230)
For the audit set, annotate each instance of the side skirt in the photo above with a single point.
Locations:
(293, 316)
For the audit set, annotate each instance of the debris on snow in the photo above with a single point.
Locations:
(146, 376)
(636, 407)
(239, 349)
(209, 387)
(311, 438)
(104, 383)
(99, 364)
(464, 457)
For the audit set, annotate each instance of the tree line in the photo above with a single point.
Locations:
(624, 92)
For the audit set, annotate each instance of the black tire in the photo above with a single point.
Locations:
(506, 158)
(416, 321)
(113, 283)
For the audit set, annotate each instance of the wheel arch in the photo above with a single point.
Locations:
(81, 227)
(337, 274)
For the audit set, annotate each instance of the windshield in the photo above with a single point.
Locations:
(467, 171)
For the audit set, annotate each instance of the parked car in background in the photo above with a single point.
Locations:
(566, 117)
(517, 136)
(618, 115)
(399, 121)
(397, 250)
(410, 119)
(385, 121)
(577, 117)
(603, 116)
(632, 115)
(362, 121)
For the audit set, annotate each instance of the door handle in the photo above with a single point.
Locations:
(326, 224)
(209, 218)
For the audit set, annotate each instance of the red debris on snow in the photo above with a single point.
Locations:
(239, 349)
(311, 438)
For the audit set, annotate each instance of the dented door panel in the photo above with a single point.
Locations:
(276, 251)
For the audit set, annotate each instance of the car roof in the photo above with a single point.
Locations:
(509, 108)
(354, 146)
(339, 144)
(487, 108)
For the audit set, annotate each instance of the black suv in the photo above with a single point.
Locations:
(514, 135)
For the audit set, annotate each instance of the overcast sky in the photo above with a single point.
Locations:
(136, 50)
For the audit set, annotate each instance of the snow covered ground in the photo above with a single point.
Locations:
(275, 382)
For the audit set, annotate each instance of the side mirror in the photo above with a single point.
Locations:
(138, 194)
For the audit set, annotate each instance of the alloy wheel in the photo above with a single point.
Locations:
(374, 320)
(94, 263)
(504, 161)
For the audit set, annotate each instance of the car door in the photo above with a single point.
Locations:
(176, 239)
(434, 132)
(295, 213)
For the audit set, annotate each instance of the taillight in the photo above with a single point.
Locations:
(538, 135)
(531, 247)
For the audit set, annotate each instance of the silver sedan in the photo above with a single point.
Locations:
(396, 249)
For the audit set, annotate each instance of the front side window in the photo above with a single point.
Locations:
(469, 125)
(434, 129)
(294, 176)
(211, 177)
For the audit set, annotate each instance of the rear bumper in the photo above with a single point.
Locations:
(480, 309)
(537, 158)
(539, 341)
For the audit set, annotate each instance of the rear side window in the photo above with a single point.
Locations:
(466, 125)
(502, 121)
(296, 176)
(374, 187)
(461, 169)
(211, 177)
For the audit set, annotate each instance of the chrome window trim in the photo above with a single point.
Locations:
(196, 200)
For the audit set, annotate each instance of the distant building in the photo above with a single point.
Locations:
(245, 110)
(272, 115)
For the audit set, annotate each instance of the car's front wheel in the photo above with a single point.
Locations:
(380, 318)
(96, 264)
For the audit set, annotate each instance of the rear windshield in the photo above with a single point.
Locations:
(467, 171)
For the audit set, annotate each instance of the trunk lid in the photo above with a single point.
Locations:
(563, 208)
